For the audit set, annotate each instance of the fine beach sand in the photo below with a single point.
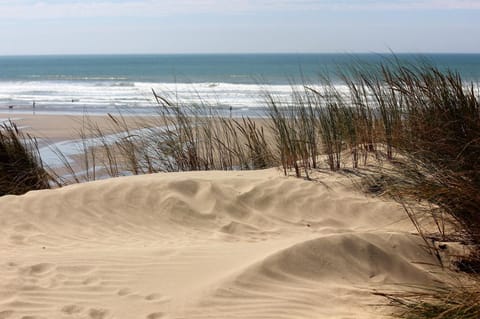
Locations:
(55, 128)
(249, 244)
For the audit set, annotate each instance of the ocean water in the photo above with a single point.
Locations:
(105, 83)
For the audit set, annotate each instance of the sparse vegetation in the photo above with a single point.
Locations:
(453, 302)
(21, 169)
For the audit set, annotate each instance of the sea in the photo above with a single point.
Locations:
(100, 84)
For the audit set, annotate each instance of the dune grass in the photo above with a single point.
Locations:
(437, 137)
(21, 169)
(452, 302)
(180, 137)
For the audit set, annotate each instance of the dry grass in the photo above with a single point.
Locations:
(437, 137)
(452, 302)
(21, 169)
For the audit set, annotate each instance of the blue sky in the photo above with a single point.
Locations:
(225, 26)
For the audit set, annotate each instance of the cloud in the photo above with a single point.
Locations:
(376, 4)
(48, 9)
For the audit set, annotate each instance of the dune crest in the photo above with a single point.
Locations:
(203, 245)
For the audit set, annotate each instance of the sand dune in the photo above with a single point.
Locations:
(203, 245)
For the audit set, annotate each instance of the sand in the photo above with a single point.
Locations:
(204, 245)
(60, 127)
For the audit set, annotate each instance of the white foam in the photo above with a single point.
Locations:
(95, 95)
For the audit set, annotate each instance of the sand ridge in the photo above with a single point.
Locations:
(204, 245)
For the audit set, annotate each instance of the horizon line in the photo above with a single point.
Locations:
(238, 53)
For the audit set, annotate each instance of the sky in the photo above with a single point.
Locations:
(238, 26)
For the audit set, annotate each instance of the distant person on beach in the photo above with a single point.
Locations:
(33, 107)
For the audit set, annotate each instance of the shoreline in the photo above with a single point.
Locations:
(61, 127)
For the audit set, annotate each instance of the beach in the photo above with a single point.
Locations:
(59, 127)
(241, 159)
(350, 210)
(205, 245)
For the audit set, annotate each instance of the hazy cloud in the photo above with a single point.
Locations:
(31, 9)
(189, 26)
